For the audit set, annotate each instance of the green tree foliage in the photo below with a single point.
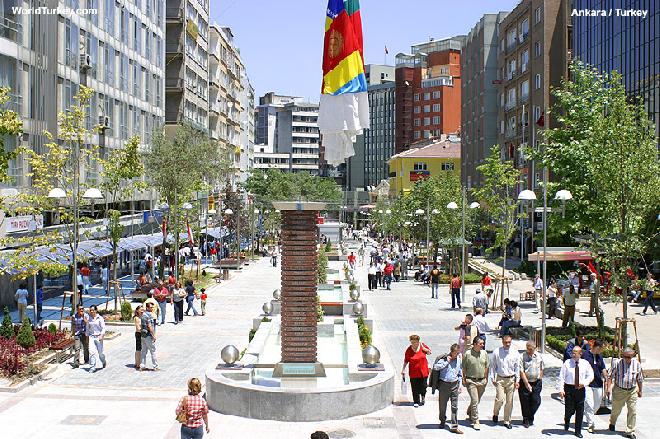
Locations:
(605, 153)
(179, 164)
(275, 185)
(25, 337)
(126, 311)
(321, 266)
(7, 328)
(10, 125)
(498, 197)
(52, 329)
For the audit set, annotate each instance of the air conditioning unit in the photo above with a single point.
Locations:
(85, 62)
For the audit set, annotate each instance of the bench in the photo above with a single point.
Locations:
(63, 349)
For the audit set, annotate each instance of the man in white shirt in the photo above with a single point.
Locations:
(538, 290)
(479, 301)
(504, 373)
(480, 322)
(575, 374)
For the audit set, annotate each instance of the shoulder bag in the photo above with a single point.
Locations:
(182, 417)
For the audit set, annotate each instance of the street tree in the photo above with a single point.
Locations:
(178, 165)
(498, 197)
(605, 152)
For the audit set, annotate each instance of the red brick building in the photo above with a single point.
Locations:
(428, 91)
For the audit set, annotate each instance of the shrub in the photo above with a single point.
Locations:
(319, 309)
(251, 334)
(328, 246)
(352, 286)
(322, 267)
(363, 332)
(25, 337)
(52, 329)
(266, 320)
(7, 329)
(126, 311)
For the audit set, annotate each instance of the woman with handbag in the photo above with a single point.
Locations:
(192, 412)
(418, 368)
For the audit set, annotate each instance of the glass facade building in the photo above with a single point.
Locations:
(629, 45)
(379, 139)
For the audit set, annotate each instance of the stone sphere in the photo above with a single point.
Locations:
(268, 308)
(276, 294)
(358, 308)
(370, 355)
(229, 354)
(355, 295)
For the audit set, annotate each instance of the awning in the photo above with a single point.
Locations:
(216, 232)
(99, 249)
(556, 256)
(131, 244)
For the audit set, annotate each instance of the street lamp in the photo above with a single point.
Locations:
(528, 195)
(452, 205)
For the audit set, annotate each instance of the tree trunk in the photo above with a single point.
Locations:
(114, 272)
(503, 276)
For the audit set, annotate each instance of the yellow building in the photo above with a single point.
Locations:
(424, 161)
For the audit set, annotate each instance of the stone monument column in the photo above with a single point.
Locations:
(298, 293)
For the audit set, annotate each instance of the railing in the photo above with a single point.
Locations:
(511, 45)
(510, 132)
(11, 30)
(523, 37)
(509, 105)
(511, 74)
(174, 13)
(173, 83)
(174, 47)
(524, 98)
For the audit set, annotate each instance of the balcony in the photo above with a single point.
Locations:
(510, 132)
(173, 48)
(174, 14)
(509, 105)
(524, 98)
(173, 84)
(11, 30)
(523, 37)
(511, 74)
(511, 45)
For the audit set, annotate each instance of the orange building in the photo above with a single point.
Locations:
(428, 91)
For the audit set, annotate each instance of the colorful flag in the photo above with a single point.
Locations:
(190, 235)
(164, 227)
(541, 121)
(344, 106)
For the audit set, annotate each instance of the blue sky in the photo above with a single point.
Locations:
(281, 41)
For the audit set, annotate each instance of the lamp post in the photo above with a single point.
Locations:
(59, 193)
(228, 212)
(256, 212)
(453, 205)
(563, 196)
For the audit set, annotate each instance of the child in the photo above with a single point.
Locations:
(203, 297)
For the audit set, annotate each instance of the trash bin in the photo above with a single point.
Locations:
(225, 274)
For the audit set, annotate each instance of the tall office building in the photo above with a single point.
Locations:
(373, 149)
(287, 134)
(628, 45)
(187, 64)
(479, 96)
(533, 54)
(118, 52)
(428, 91)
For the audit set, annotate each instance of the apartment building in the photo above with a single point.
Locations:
(428, 91)
(119, 52)
(479, 94)
(287, 134)
(187, 64)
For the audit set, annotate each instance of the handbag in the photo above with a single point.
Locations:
(182, 417)
(404, 387)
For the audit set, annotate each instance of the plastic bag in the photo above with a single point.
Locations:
(404, 386)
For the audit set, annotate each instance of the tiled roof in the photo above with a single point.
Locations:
(440, 149)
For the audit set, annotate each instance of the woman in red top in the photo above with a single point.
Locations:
(196, 411)
(418, 368)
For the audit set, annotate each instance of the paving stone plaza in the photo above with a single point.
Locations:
(119, 402)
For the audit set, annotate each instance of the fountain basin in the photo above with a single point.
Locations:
(344, 392)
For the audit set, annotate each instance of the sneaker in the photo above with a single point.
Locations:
(590, 429)
(508, 425)
(456, 430)
(415, 405)
(477, 426)
(612, 427)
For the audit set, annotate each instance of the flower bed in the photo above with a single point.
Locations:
(17, 362)
(557, 338)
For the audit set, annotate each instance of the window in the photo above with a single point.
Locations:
(436, 108)
(511, 69)
(436, 95)
(427, 121)
(537, 81)
(512, 96)
(501, 99)
(417, 122)
(537, 113)
(447, 166)
(420, 166)
(501, 45)
(436, 120)
(110, 16)
(124, 25)
(501, 127)
(524, 90)
(427, 108)
(427, 134)
(416, 97)
(511, 38)
(416, 135)
(524, 59)
(417, 110)
(524, 29)
(137, 30)
(537, 15)
(537, 49)
(427, 96)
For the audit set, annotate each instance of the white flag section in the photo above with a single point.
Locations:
(341, 119)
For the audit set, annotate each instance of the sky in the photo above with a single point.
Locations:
(281, 42)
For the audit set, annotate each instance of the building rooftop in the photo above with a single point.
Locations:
(446, 147)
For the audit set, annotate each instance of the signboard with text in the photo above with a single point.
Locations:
(22, 223)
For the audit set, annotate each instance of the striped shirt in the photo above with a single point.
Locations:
(532, 366)
(626, 375)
